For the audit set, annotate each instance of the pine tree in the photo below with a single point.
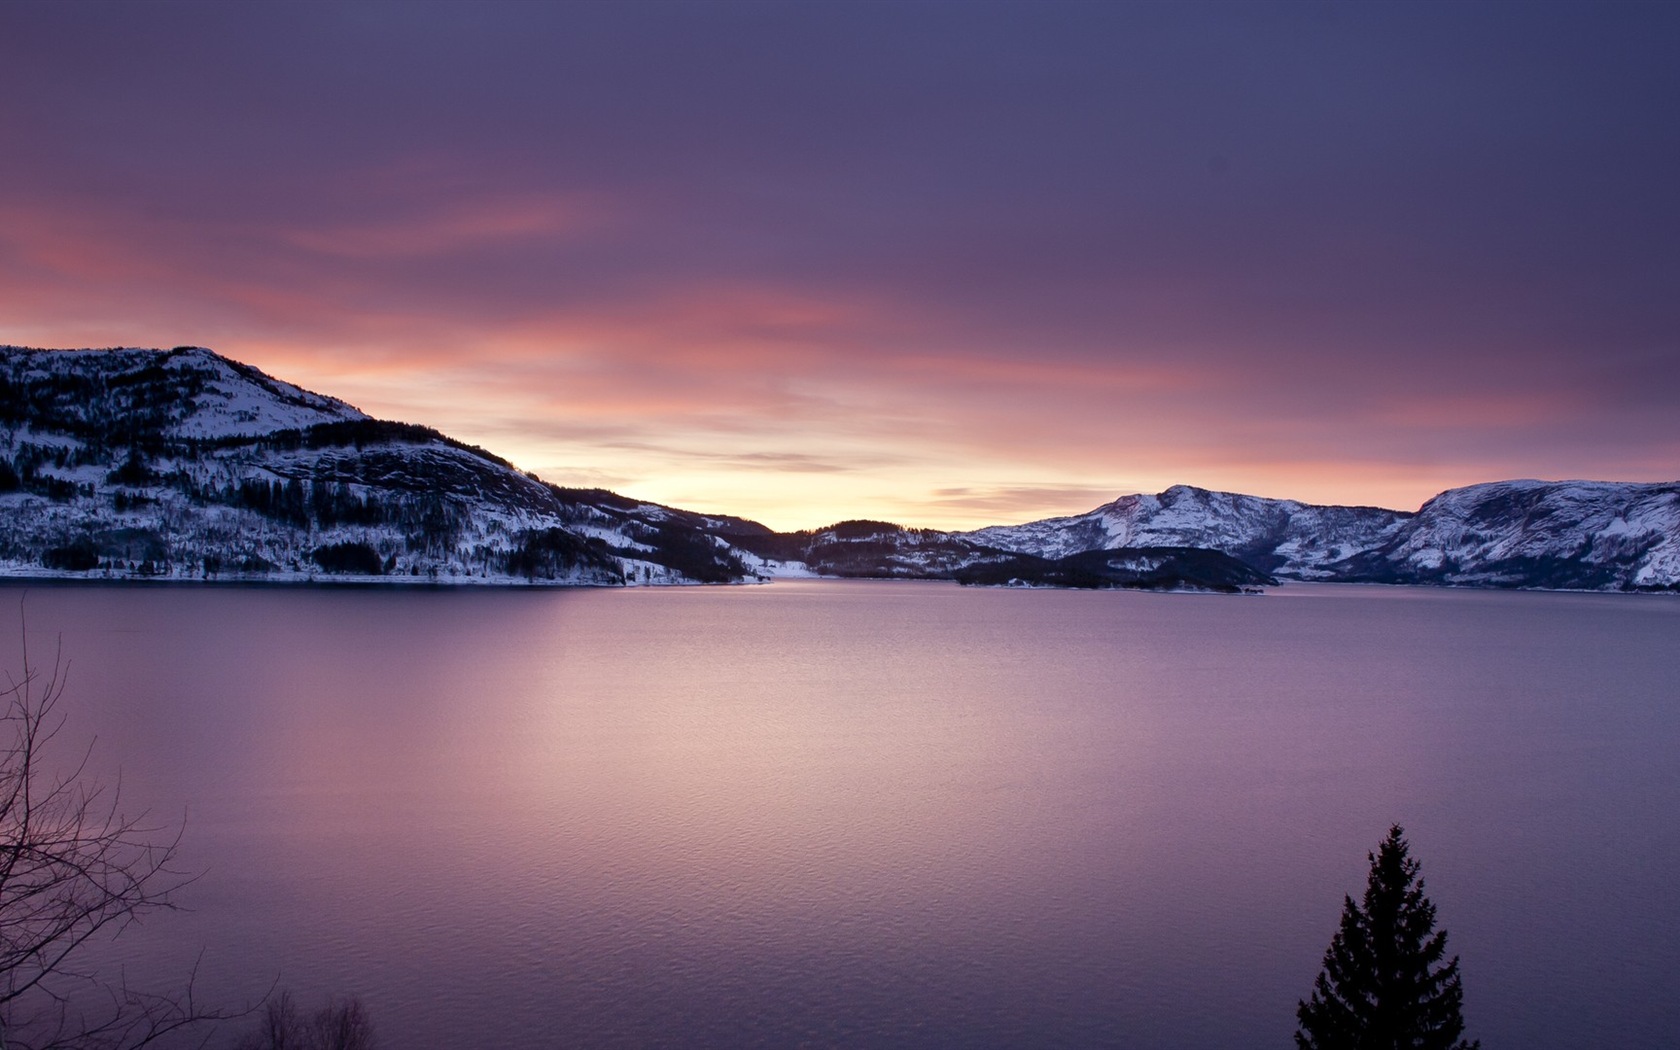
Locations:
(1383, 986)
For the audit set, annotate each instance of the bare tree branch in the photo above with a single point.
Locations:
(74, 869)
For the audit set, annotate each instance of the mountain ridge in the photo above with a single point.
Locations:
(182, 463)
(1575, 535)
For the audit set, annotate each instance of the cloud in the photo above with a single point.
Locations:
(699, 251)
(450, 229)
(1020, 503)
(793, 462)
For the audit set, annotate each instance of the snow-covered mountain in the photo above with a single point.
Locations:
(1579, 535)
(1585, 535)
(1297, 540)
(188, 392)
(183, 464)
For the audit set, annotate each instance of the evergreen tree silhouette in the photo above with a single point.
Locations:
(1383, 986)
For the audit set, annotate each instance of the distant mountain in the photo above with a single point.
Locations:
(1577, 535)
(879, 550)
(872, 549)
(1137, 568)
(1580, 535)
(184, 464)
(1297, 540)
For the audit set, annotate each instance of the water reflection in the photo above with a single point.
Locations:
(905, 815)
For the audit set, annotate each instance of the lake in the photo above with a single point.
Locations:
(887, 814)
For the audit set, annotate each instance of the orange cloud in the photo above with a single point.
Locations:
(455, 227)
(770, 398)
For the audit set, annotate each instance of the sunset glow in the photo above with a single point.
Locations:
(947, 265)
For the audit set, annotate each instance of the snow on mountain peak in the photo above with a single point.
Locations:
(187, 392)
(137, 458)
(237, 399)
(1585, 534)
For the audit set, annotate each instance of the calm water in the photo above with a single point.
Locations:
(905, 815)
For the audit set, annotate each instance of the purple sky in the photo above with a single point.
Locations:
(947, 264)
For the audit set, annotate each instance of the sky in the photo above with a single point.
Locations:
(945, 264)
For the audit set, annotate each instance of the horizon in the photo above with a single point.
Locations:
(865, 519)
(943, 266)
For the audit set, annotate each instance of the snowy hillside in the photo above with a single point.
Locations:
(1586, 535)
(1278, 536)
(188, 392)
(183, 464)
